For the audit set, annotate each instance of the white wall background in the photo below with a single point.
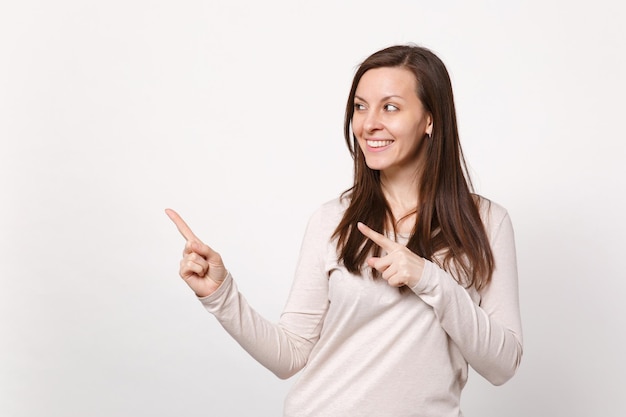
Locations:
(231, 113)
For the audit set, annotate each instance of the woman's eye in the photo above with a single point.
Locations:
(390, 107)
(359, 106)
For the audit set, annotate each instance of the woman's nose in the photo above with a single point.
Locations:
(372, 122)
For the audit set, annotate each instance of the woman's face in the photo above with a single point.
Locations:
(389, 120)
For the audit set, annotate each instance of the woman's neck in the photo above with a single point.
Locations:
(401, 194)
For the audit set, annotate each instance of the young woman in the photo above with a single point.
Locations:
(402, 281)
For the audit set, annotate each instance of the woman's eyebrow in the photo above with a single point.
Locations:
(383, 99)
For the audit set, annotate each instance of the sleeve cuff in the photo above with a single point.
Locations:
(425, 284)
(214, 300)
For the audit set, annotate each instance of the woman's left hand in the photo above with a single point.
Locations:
(399, 266)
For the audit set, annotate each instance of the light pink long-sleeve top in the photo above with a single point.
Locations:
(365, 348)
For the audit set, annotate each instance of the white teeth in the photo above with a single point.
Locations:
(378, 143)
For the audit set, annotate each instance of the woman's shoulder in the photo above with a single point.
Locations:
(491, 212)
(324, 220)
(331, 211)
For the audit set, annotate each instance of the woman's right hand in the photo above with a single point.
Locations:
(201, 267)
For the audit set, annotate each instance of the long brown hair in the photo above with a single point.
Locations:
(448, 220)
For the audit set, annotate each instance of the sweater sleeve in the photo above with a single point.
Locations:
(488, 333)
(282, 347)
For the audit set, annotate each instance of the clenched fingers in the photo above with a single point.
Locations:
(399, 266)
(201, 267)
(193, 264)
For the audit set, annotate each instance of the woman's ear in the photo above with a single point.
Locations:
(429, 125)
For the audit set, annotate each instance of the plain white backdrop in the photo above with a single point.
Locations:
(231, 113)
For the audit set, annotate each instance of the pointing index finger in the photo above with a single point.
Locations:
(383, 241)
(182, 226)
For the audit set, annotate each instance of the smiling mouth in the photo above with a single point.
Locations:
(378, 143)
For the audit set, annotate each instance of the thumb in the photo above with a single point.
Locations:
(216, 271)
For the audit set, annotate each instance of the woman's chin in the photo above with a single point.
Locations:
(376, 165)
